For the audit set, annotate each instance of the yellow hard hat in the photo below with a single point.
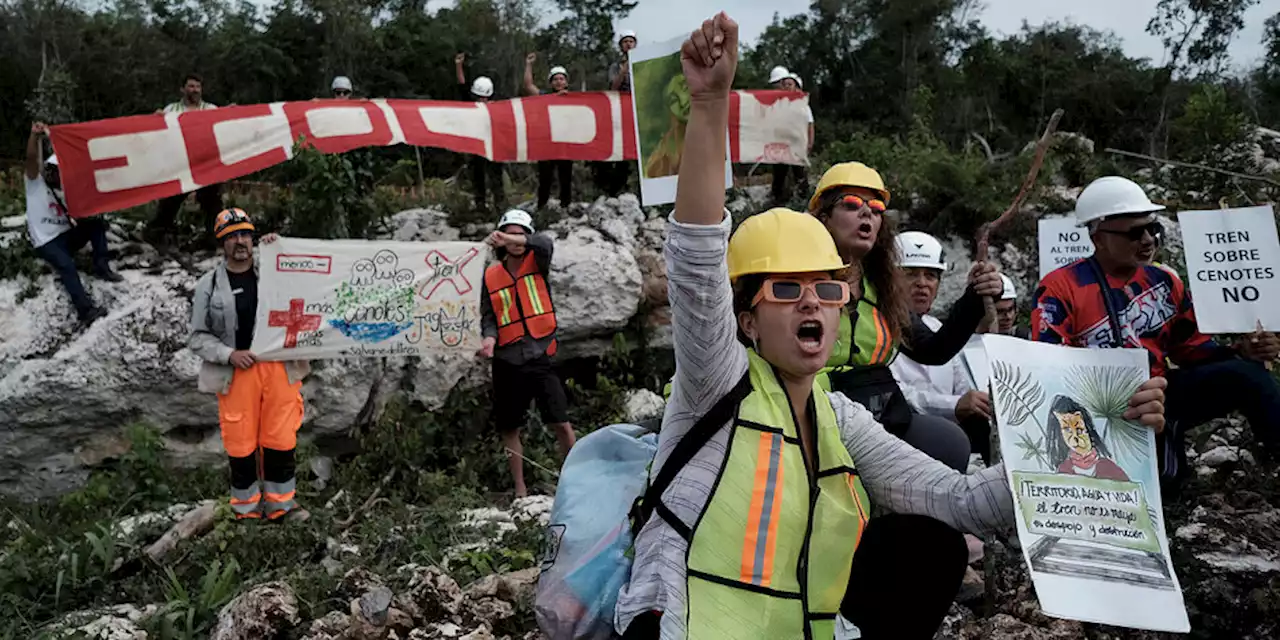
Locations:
(849, 174)
(782, 241)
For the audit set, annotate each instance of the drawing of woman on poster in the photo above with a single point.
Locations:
(1080, 450)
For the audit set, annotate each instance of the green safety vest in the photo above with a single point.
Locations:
(772, 549)
(867, 344)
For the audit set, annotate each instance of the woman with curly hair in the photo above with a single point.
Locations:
(851, 200)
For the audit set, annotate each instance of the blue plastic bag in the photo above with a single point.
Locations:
(588, 558)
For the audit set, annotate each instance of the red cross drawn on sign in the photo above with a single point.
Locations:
(447, 270)
(294, 321)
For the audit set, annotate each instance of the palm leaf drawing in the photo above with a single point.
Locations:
(1020, 396)
(1033, 448)
(1105, 392)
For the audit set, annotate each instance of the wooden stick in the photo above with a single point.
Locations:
(1192, 165)
(984, 233)
(368, 503)
(197, 522)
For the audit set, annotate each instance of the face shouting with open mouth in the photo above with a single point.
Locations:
(855, 228)
(795, 319)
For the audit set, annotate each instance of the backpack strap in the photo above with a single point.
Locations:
(1117, 332)
(692, 442)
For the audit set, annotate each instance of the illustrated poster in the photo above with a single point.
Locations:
(1085, 485)
(363, 298)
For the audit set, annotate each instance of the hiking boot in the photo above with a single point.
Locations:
(92, 315)
(107, 275)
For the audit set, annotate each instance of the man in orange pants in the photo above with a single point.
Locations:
(259, 402)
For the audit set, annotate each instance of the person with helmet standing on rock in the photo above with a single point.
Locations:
(518, 322)
(614, 175)
(341, 88)
(485, 173)
(55, 235)
(782, 79)
(259, 402)
(851, 200)
(757, 521)
(560, 170)
(1147, 306)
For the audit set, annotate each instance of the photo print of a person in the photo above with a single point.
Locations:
(1079, 450)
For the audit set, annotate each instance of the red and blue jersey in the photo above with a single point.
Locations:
(1153, 309)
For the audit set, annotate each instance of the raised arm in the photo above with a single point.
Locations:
(615, 79)
(32, 165)
(457, 67)
(709, 59)
(530, 89)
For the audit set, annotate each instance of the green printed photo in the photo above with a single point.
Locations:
(661, 97)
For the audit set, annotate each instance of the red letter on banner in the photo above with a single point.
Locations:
(537, 117)
(417, 132)
(204, 153)
(79, 182)
(300, 126)
(628, 128)
(735, 124)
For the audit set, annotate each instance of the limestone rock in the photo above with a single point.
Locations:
(261, 612)
(1007, 627)
(513, 586)
(422, 225)
(121, 622)
(1219, 456)
(333, 626)
(432, 595)
(595, 284)
(642, 404)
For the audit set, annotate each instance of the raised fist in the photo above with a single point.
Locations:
(460, 58)
(530, 58)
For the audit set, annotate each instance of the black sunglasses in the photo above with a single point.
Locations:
(1135, 234)
(341, 93)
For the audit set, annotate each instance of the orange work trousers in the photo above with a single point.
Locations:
(260, 415)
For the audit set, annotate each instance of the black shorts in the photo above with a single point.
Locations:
(514, 386)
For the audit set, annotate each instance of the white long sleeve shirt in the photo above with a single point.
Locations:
(932, 390)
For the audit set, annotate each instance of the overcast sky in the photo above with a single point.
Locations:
(659, 20)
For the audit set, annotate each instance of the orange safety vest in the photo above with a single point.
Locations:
(521, 303)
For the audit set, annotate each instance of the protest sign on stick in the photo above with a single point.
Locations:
(660, 99)
(1061, 243)
(361, 298)
(1085, 487)
(1233, 260)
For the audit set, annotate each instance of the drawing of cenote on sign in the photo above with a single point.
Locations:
(376, 303)
(1085, 484)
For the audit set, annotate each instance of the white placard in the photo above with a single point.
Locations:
(660, 103)
(363, 298)
(1085, 487)
(1061, 243)
(1233, 260)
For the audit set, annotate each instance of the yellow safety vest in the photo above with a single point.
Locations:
(771, 552)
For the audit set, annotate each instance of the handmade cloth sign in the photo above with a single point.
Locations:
(1233, 259)
(114, 164)
(361, 298)
(1061, 243)
(1084, 482)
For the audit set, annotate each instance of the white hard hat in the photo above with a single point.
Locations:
(1111, 196)
(340, 82)
(516, 216)
(482, 87)
(919, 249)
(1008, 293)
(558, 70)
(52, 159)
(778, 74)
(796, 77)
(626, 33)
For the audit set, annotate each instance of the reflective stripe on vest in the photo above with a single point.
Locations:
(771, 552)
(521, 303)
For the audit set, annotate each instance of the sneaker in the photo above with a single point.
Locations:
(108, 275)
(297, 515)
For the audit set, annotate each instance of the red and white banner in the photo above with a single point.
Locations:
(108, 165)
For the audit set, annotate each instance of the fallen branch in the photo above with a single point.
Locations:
(368, 503)
(197, 522)
(1192, 165)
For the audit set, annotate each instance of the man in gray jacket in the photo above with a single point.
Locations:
(259, 402)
